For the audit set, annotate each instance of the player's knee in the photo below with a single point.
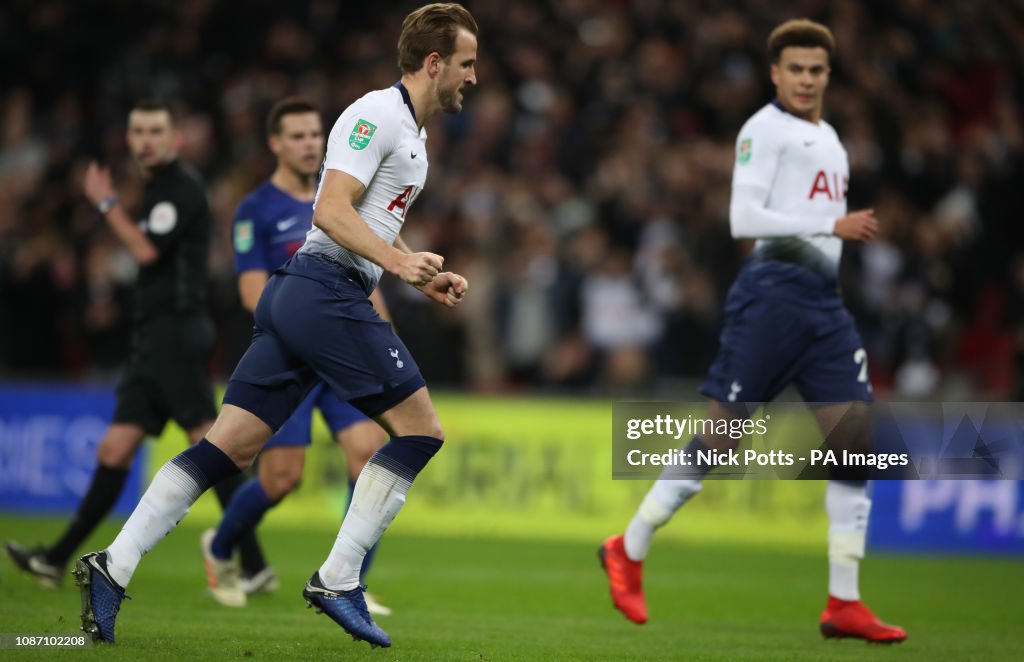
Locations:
(358, 456)
(115, 454)
(281, 483)
(288, 484)
(426, 427)
(361, 441)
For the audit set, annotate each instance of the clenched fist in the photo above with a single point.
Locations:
(447, 288)
(418, 269)
(857, 226)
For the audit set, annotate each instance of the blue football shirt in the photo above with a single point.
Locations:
(269, 227)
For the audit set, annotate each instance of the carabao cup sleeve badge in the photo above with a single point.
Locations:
(243, 236)
(362, 134)
(745, 148)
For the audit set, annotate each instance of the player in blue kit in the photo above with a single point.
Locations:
(269, 227)
(785, 323)
(314, 323)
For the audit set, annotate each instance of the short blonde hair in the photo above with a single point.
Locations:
(800, 32)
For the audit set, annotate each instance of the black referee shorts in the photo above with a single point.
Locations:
(167, 375)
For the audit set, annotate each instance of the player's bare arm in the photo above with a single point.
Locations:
(336, 215)
(250, 287)
(401, 245)
(99, 189)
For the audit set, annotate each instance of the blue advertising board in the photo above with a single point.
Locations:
(950, 516)
(978, 506)
(48, 440)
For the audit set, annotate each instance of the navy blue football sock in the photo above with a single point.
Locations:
(203, 466)
(408, 454)
(245, 511)
(250, 554)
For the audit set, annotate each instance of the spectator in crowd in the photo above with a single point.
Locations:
(591, 172)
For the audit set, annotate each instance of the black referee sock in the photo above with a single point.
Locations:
(249, 550)
(105, 488)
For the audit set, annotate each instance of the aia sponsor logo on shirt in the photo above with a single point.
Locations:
(831, 185)
(400, 205)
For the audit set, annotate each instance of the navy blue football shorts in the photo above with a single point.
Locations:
(297, 430)
(786, 324)
(313, 324)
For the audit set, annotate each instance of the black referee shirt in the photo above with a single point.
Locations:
(176, 218)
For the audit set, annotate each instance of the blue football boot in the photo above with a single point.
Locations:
(347, 609)
(101, 596)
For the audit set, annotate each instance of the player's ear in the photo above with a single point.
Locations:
(273, 143)
(433, 64)
(775, 73)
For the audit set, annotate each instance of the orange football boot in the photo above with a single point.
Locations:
(625, 579)
(852, 618)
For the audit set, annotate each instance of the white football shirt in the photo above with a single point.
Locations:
(375, 140)
(798, 174)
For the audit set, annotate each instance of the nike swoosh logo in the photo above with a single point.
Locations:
(412, 155)
(287, 223)
(808, 143)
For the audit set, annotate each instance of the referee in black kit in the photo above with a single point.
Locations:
(166, 377)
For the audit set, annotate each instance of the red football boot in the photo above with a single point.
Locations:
(625, 579)
(852, 618)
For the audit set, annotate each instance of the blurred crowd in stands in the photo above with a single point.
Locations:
(583, 191)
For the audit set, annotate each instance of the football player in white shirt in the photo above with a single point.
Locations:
(785, 323)
(315, 323)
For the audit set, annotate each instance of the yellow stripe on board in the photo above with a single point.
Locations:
(537, 468)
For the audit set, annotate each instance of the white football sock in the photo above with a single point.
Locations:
(379, 495)
(173, 491)
(848, 508)
(661, 502)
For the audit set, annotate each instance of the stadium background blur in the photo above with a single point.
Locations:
(584, 192)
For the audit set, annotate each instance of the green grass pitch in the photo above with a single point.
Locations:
(522, 599)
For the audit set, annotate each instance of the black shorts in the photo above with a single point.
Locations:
(167, 376)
